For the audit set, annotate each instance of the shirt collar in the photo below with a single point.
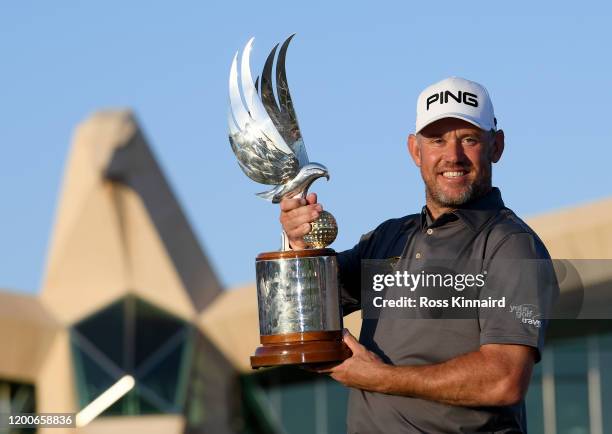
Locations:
(474, 213)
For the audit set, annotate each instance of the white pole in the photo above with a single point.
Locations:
(594, 381)
(105, 400)
(548, 392)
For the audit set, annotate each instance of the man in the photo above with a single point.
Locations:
(444, 375)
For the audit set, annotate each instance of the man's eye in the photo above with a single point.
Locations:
(437, 141)
(470, 141)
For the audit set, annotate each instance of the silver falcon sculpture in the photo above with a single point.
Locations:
(265, 137)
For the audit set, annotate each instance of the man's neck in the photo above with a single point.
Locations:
(435, 209)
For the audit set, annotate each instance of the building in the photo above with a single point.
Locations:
(125, 285)
(128, 290)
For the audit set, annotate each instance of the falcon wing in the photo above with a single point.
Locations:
(262, 152)
(282, 113)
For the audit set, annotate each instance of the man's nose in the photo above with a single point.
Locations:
(453, 152)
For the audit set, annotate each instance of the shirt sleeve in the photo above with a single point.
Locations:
(521, 274)
(349, 271)
(349, 278)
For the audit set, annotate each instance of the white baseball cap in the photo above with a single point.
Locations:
(455, 97)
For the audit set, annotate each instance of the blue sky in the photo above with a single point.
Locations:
(355, 70)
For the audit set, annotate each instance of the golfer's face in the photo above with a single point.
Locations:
(454, 160)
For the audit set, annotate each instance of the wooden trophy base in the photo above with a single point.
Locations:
(300, 349)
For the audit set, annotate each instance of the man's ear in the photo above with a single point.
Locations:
(414, 149)
(497, 148)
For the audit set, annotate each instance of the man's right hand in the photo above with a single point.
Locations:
(296, 216)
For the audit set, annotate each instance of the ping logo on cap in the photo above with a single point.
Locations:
(455, 97)
(442, 97)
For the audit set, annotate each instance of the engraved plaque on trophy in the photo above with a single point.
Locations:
(300, 319)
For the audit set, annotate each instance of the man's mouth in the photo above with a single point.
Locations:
(454, 174)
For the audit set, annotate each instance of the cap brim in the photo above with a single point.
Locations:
(456, 116)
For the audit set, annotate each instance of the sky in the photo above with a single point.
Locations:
(354, 69)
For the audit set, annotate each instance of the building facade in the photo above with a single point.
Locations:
(128, 290)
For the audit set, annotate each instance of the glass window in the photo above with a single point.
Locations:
(93, 378)
(297, 407)
(571, 386)
(107, 329)
(17, 398)
(337, 401)
(133, 337)
(534, 403)
(152, 328)
(294, 401)
(605, 364)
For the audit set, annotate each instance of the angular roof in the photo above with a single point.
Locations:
(119, 229)
(231, 323)
(26, 332)
(579, 232)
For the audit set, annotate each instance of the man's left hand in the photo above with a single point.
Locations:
(363, 370)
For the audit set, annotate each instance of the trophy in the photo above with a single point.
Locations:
(300, 320)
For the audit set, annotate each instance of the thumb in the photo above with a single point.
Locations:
(311, 198)
(351, 342)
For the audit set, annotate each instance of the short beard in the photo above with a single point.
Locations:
(473, 191)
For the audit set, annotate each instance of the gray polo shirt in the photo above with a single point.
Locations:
(483, 230)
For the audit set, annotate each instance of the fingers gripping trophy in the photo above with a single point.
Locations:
(300, 320)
